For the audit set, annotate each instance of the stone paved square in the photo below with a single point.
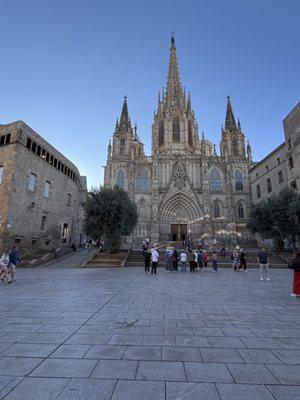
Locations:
(119, 334)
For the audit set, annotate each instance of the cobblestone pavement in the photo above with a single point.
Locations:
(118, 334)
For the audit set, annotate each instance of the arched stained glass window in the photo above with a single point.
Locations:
(190, 133)
(121, 178)
(241, 210)
(217, 209)
(239, 180)
(142, 181)
(176, 130)
(161, 133)
(215, 180)
(235, 147)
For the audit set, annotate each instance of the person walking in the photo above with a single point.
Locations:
(222, 251)
(191, 259)
(154, 260)
(214, 258)
(295, 265)
(175, 258)
(263, 260)
(243, 260)
(183, 260)
(200, 260)
(205, 259)
(147, 259)
(14, 258)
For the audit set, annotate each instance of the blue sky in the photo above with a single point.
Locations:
(66, 65)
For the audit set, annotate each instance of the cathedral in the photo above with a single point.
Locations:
(184, 189)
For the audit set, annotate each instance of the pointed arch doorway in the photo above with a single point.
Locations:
(178, 232)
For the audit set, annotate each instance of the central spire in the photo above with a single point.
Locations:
(174, 92)
(229, 118)
(125, 120)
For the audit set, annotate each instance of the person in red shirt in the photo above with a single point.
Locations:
(205, 259)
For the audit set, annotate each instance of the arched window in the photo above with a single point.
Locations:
(176, 130)
(142, 181)
(43, 223)
(161, 133)
(217, 209)
(215, 180)
(142, 207)
(235, 151)
(239, 180)
(190, 133)
(240, 210)
(120, 178)
(65, 232)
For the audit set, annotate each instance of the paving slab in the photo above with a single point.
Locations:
(286, 374)
(38, 389)
(207, 372)
(221, 355)
(145, 353)
(243, 392)
(71, 351)
(191, 391)
(90, 389)
(281, 392)
(137, 390)
(161, 371)
(18, 366)
(259, 356)
(251, 373)
(181, 354)
(64, 368)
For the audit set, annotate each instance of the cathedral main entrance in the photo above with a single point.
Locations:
(178, 232)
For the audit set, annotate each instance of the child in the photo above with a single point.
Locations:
(215, 261)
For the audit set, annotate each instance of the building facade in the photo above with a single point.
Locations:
(41, 192)
(280, 168)
(183, 188)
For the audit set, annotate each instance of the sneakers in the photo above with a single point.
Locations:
(293, 295)
(261, 279)
(268, 279)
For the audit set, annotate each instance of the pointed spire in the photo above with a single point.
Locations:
(158, 102)
(124, 120)
(189, 102)
(135, 136)
(229, 119)
(174, 92)
(249, 151)
(109, 150)
(239, 125)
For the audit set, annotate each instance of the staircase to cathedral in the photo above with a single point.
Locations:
(100, 260)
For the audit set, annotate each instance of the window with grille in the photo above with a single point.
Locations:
(161, 133)
(215, 180)
(239, 180)
(120, 178)
(31, 182)
(176, 130)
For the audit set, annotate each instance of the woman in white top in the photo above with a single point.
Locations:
(4, 262)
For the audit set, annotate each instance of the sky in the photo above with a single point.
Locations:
(66, 65)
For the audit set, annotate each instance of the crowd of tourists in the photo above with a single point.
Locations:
(8, 262)
(196, 260)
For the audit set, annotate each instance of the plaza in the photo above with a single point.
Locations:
(116, 334)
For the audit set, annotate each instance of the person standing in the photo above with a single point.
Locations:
(200, 260)
(295, 265)
(191, 258)
(4, 271)
(243, 260)
(154, 260)
(13, 260)
(214, 258)
(147, 259)
(205, 260)
(263, 260)
(175, 259)
(183, 260)
(235, 259)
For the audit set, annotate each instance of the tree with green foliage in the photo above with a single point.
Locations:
(111, 214)
(278, 218)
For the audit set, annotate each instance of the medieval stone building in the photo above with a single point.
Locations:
(41, 192)
(184, 188)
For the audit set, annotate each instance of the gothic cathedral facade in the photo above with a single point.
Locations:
(184, 188)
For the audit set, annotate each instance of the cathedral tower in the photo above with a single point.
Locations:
(233, 141)
(123, 135)
(174, 127)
